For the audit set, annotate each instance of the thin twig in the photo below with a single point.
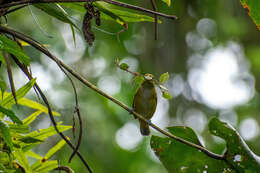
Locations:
(77, 111)
(15, 9)
(27, 73)
(133, 7)
(127, 70)
(10, 75)
(117, 3)
(41, 48)
(155, 20)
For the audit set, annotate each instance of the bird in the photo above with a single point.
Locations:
(145, 102)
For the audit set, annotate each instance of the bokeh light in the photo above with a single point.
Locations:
(221, 81)
(249, 128)
(128, 137)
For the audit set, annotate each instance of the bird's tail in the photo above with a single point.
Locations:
(144, 128)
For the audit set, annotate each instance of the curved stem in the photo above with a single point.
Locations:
(42, 49)
(27, 73)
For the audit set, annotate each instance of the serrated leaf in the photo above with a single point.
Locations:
(166, 95)
(9, 100)
(253, 8)
(5, 134)
(11, 115)
(124, 66)
(11, 47)
(168, 2)
(164, 77)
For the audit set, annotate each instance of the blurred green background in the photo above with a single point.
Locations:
(211, 53)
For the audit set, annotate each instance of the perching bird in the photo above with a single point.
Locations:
(145, 102)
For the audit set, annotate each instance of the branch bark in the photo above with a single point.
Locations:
(44, 50)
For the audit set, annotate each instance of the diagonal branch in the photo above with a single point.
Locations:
(42, 49)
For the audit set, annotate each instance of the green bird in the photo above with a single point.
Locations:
(145, 102)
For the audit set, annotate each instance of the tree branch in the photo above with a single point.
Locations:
(117, 3)
(42, 49)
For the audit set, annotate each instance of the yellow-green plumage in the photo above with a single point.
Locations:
(145, 102)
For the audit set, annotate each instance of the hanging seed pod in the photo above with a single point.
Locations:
(97, 17)
(86, 28)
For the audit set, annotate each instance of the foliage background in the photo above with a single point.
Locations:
(212, 55)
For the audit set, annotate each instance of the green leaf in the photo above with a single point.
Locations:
(32, 154)
(164, 77)
(11, 115)
(121, 16)
(54, 149)
(5, 134)
(106, 12)
(76, 6)
(124, 66)
(9, 100)
(38, 166)
(31, 118)
(166, 95)
(22, 160)
(179, 157)
(45, 166)
(2, 87)
(29, 139)
(42, 134)
(55, 10)
(34, 105)
(17, 128)
(168, 2)
(110, 12)
(11, 47)
(238, 153)
(253, 8)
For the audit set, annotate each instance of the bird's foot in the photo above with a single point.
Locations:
(132, 112)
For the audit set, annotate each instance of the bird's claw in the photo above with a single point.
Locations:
(132, 112)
